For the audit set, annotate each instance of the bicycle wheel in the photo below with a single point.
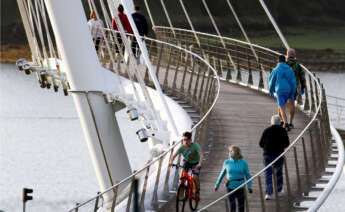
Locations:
(181, 197)
(193, 201)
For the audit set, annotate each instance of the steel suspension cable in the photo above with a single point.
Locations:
(219, 35)
(269, 15)
(245, 35)
(39, 29)
(27, 27)
(150, 15)
(168, 17)
(190, 22)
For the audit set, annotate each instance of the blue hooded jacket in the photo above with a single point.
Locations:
(282, 79)
(234, 169)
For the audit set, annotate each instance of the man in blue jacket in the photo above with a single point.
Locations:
(282, 81)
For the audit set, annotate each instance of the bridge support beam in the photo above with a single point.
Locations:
(85, 75)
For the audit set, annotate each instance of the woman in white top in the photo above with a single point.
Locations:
(96, 27)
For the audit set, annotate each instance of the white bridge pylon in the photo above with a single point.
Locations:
(91, 86)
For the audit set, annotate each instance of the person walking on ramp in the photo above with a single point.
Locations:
(300, 80)
(273, 141)
(237, 171)
(282, 81)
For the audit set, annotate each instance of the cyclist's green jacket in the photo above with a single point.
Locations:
(190, 155)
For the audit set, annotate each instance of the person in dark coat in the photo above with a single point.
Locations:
(141, 24)
(274, 140)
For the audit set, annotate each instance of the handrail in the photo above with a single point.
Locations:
(335, 177)
(177, 143)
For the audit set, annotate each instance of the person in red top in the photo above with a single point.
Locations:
(125, 24)
(123, 19)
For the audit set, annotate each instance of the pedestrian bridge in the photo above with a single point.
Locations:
(222, 84)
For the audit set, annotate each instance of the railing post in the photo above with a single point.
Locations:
(114, 199)
(313, 108)
(297, 171)
(228, 73)
(129, 201)
(263, 208)
(306, 166)
(165, 84)
(191, 78)
(261, 80)
(250, 75)
(159, 61)
(174, 87)
(167, 175)
(143, 193)
(184, 78)
(306, 106)
(313, 153)
(77, 207)
(96, 202)
(196, 85)
(288, 187)
(275, 183)
(202, 90)
(155, 190)
(316, 93)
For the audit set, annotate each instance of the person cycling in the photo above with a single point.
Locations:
(192, 158)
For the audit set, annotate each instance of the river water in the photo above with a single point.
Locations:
(42, 145)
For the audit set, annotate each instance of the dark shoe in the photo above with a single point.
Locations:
(281, 123)
(291, 126)
(287, 127)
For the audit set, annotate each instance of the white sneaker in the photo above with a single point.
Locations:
(281, 193)
(268, 197)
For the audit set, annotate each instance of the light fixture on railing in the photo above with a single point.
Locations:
(43, 78)
(56, 83)
(142, 135)
(65, 87)
(133, 113)
(27, 68)
(20, 63)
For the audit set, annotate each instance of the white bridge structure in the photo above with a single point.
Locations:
(170, 85)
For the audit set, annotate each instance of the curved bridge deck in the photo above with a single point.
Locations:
(239, 118)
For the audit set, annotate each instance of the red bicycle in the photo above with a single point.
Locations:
(185, 191)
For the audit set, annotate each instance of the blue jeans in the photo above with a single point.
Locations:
(278, 167)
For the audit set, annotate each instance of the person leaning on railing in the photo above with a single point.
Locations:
(237, 171)
(273, 141)
(192, 159)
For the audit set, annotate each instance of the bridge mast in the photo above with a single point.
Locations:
(85, 74)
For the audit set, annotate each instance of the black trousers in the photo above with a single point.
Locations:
(239, 196)
(97, 41)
